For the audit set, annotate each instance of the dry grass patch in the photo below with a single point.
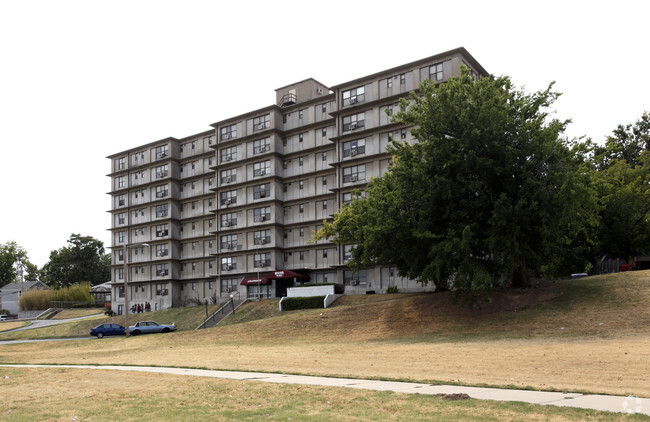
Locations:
(98, 395)
(548, 338)
(6, 326)
(76, 313)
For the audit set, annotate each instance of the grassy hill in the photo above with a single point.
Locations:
(603, 306)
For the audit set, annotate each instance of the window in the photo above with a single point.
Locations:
(402, 134)
(347, 252)
(162, 171)
(261, 191)
(352, 96)
(162, 230)
(229, 263)
(324, 133)
(354, 173)
(121, 200)
(210, 223)
(302, 255)
(389, 83)
(262, 259)
(228, 132)
(161, 191)
(323, 108)
(324, 205)
(355, 279)
(262, 237)
(120, 218)
(161, 250)
(302, 232)
(324, 178)
(162, 210)
(301, 138)
(354, 121)
(301, 184)
(161, 151)
(120, 255)
(301, 208)
(162, 270)
(262, 168)
(229, 241)
(261, 145)
(229, 219)
(121, 290)
(228, 285)
(352, 148)
(435, 72)
(301, 161)
(210, 283)
(120, 237)
(161, 289)
(347, 198)
(324, 253)
(324, 156)
(285, 164)
(285, 187)
(210, 181)
(300, 114)
(121, 182)
(402, 79)
(229, 176)
(262, 214)
(229, 198)
(262, 122)
(121, 164)
(228, 154)
(210, 140)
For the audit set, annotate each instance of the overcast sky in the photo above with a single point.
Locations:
(80, 80)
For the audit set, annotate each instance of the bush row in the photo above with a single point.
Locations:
(293, 303)
(34, 300)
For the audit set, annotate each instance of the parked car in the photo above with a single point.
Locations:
(108, 330)
(149, 327)
(3, 317)
(623, 265)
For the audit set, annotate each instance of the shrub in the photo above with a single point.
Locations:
(293, 303)
(391, 289)
(33, 300)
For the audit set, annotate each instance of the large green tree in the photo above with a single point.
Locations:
(13, 256)
(84, 259)
(622, 181)
(490, 194)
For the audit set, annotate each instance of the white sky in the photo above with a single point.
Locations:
(80, 80)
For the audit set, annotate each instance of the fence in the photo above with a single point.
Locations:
(607, 266)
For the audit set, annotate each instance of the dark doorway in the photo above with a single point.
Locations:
(281, 286)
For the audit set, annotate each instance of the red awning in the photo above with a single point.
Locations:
(254, 281)
(280, 274)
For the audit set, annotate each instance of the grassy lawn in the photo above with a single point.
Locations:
(95, 395)
(588, 335)
(10, 325)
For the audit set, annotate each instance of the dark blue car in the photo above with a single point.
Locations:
(108, 330)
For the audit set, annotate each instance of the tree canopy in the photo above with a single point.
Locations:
(490, 194)
(84, 259)
(622, 184)
(13, 256)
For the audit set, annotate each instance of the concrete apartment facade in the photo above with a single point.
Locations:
(230, 210)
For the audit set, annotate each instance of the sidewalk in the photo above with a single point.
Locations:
(585, 401)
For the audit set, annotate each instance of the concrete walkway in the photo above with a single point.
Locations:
(584, 401)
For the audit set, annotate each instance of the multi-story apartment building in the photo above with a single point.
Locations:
(232, 209)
